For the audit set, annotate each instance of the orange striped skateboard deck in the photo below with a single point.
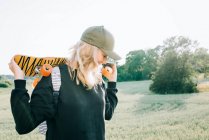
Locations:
(31, 64)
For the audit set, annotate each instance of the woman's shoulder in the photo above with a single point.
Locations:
(63, 66)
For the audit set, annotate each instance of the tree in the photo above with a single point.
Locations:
(134, 64)
(175, 71)
(139, 65)
(200, 60)
(150, 63)
(122, 73)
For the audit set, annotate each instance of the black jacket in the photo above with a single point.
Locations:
(80, 113)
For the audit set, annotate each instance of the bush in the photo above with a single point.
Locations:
(4, 85)
(173, 76)
(190, 87)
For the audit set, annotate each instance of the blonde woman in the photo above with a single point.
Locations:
(84, 103)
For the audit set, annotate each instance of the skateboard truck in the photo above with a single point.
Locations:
(107, 70)
(37, 69)
(44, 70)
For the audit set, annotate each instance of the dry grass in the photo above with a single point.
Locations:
(203, 87)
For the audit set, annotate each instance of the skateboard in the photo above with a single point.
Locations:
(42, 66)
(38, 66)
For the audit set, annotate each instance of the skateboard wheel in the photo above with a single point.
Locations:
(106, 71)
(35, 82)
(46, 70)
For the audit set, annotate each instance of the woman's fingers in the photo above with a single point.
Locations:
(16, 70)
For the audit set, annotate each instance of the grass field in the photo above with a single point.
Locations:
(140, 115)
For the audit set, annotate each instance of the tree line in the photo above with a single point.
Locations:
(173, 66)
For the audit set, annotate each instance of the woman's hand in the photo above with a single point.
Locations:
(112, 75)
(18, 73)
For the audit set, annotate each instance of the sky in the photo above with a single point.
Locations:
(50, 27)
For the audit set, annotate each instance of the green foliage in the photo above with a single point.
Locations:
(122, 75)
(135, 62)
(174, 73)
(150, 64)
(200, 60)
(3, 85)
(139, 65)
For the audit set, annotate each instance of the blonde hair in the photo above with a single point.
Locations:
(83, 64)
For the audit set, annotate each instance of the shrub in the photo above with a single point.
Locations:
(4, 85)
(173, 76)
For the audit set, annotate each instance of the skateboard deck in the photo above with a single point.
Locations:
(29, 64)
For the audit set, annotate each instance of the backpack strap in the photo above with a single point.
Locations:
(42, 128)
(56, 83)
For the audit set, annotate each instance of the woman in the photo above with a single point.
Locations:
(84, 102)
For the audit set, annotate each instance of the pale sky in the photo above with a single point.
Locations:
(50, 27)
